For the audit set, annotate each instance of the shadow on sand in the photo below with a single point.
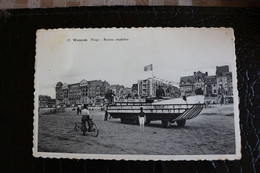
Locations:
(157, 125)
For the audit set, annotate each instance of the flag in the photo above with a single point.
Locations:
(148, 67)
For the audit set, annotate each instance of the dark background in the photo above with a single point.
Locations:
(17, 52)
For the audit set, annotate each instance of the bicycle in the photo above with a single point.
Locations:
(83, 129)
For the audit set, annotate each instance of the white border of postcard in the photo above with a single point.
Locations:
(235, 156)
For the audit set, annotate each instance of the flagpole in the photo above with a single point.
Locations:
(152, 71)
(152, 83)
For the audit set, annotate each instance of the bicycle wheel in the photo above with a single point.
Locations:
(78, 128)
(94, 130)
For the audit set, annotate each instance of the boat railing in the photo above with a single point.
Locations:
(166, 107)
(144, 103)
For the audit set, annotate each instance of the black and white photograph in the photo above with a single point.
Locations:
(136, 94)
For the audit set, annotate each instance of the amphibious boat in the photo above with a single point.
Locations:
(167, 110)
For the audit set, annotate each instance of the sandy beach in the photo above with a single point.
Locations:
(212, 132)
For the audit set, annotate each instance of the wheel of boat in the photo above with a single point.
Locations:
(123, 120)
(147, 122)
(135, 121)
(181, 123)
(166, 123)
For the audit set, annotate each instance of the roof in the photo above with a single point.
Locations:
(83, 82)
(73, 84)
(59, 84)
(186, 80)
(211, 79)
(95, 83)
(189, 80)
(65, 86)
(228, 74)
(220, 70)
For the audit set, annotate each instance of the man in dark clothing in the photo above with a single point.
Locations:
(77, 110)
(112, 94)
(222, 100)
(160, 93)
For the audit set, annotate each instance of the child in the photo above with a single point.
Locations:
(141, 119)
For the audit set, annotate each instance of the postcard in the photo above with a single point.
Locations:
(136, 94)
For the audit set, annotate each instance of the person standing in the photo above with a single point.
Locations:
(222, 100)
(77, 110)
(80, 109)
(106, 113)
(141, 117)
(112, 97)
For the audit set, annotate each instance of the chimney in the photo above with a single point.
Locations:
(194, 73)
(206, 73)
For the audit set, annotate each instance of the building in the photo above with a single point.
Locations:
(148, 87)
(221, 70)
(144, 88)
(135, 90)
(59, 92)
(201, 83)
(224, 80)
(171, 91)
(46, 101)
(97, 90)
(189, 85)
(84, 92)
(224, 84)
(230, 84)
(51, 103)
(210, 86)
(116, 89)
(125, 93)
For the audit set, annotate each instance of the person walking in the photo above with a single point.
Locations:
(141, 117)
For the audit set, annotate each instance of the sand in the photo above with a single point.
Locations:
(212, 132)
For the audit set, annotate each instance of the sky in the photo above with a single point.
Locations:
(174, 52)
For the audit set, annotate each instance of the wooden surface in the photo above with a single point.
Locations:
(10, 4)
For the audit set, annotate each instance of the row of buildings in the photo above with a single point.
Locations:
(149, 87)
(202, 83)
(82, 92)
(95, 91)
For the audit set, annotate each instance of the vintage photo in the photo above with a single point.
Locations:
(136, 94)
